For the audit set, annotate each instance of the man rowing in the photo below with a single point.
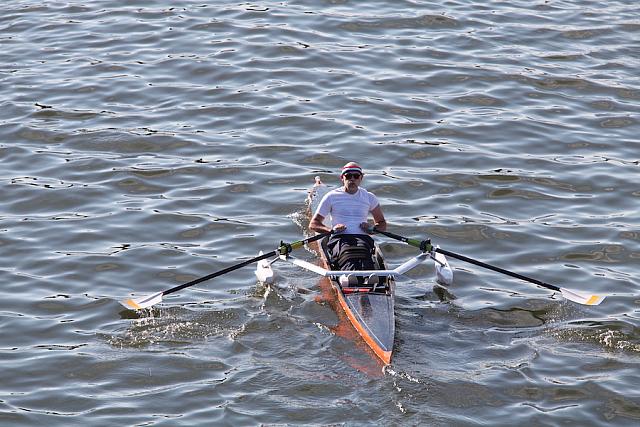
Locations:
(350, 246)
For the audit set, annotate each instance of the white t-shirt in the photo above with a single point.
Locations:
(348, 209)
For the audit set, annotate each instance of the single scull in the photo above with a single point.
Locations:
(368, 305)
(367, 302)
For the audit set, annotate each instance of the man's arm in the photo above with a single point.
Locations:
(316, 224)
(378, 219)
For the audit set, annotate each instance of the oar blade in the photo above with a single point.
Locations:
(581, 298)
(144, 302)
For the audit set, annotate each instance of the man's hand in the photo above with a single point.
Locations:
(366, 227)
(338, 228)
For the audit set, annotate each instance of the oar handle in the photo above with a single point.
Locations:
(498, 269)
(282, 249)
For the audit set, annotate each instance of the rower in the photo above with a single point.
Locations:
(350, 246)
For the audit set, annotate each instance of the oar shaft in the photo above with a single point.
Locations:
(498, 269)
(420, 244)
(425, 246)
(220, 273)
(283, 247)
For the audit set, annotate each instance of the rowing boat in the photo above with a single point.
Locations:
(369, 307)
(366, 297)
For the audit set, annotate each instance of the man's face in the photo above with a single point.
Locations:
(351, 180)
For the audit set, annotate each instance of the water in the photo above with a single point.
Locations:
(145, 145)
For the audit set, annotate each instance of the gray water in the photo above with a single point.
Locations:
(146, 144)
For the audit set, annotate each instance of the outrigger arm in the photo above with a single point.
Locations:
(396, 273)
(444, 273)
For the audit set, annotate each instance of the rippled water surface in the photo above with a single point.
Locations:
(146, 144)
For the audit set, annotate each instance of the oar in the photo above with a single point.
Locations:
(283, 249)
(425, 245)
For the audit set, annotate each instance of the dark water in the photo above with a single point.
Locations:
(145, 144)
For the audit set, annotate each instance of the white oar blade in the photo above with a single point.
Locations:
(140, 303)
(581, 298)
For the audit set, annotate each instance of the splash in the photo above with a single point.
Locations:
(618, 341)
(175, 326)
(401, 375)
(609, 335)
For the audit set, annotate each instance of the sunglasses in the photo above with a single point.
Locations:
(352, 175)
